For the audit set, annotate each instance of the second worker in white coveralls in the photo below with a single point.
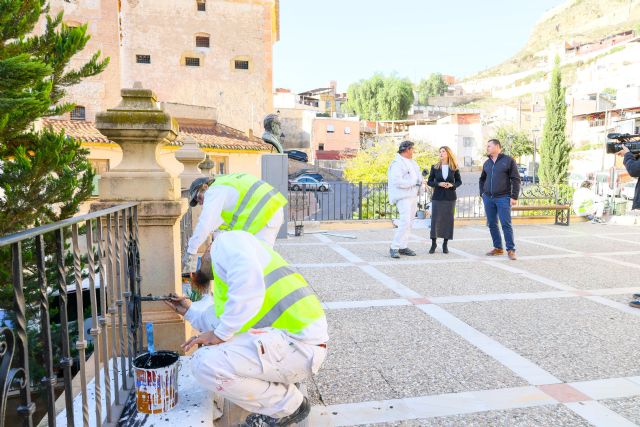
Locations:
(265, 331)
(237, 201)
(405, 182)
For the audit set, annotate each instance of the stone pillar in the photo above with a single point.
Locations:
(140, 127)
(190, 155)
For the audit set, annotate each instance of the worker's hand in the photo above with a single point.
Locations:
(624, 151)
(189, 263)
(514, 202)
(179, 304)
(207, 338)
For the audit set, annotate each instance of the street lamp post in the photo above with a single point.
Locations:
(535, 148)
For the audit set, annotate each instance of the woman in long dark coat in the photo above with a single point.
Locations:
(444, 178)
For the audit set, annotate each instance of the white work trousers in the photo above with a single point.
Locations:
(407, 212)
(257, 370)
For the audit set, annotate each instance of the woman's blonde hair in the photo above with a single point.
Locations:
(453, 163)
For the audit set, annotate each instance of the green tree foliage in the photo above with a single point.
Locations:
(44, 175)
(515, 143)
(555, 149)
(432, 86)
(380, 98)
(370, 165)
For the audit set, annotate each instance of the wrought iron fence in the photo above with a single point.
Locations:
(337, 201)
(45, 268)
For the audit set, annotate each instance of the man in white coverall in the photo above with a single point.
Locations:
(236, 201)
(265, 331)
(405, 182)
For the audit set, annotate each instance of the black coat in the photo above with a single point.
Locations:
(632, 163)
(500, 178)
(435, 178)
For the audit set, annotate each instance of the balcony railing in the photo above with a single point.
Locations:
(46, 343)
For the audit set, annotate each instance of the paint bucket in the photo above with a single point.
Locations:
(156, 381)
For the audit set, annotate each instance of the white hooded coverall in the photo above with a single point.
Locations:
(221, 197)
(256, 369)
(405, 183)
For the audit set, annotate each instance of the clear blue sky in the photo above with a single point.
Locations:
(346, 40)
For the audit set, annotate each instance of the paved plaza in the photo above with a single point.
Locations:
(466, 340)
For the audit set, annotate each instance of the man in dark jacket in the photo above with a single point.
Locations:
(632, 164)
(499, 187)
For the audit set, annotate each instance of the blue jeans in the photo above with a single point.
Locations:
(499, 207)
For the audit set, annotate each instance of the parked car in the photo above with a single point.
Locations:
(629, 190)
(529, 178)
(298, 155)
(315, 176)
(308, 183)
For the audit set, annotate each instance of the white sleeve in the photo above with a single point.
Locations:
(397, 178)
(202, 315)
(240, 268)
(210, 217)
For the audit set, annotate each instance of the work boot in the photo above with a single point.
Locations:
(512, 255)
(259, 420)
(407, 251)
(394, 253)
(637, 296)
(635, 304)
(495, 252)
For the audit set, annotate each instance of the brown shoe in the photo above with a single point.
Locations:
(495, 252)
(512, 255)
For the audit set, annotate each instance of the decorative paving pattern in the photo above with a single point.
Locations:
(466, 340)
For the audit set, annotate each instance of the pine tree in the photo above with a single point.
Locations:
(555, 149)
(44, 175)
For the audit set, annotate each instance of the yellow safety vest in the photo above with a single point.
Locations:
(257, 202)
(289, 303)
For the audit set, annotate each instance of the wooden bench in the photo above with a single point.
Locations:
(229, 414)
(544, 200)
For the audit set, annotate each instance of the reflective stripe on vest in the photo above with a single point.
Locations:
(257, 202)
(289, 303)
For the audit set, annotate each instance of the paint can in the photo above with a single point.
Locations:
(156, 381)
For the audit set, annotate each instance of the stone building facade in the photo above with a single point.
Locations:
(210, 53)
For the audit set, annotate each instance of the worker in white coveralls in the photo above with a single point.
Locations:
(238, 201)
(265, 331)
(405, 183)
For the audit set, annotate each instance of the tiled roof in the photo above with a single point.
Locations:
(222, 137)
(78, 129)
(210, 135)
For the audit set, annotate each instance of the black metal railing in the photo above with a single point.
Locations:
(47, 267)
(336, 201)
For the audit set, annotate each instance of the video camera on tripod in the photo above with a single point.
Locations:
(631, 141)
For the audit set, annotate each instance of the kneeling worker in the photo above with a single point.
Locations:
(265, 332)
(238, 201)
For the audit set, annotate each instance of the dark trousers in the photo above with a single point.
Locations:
(499, 207)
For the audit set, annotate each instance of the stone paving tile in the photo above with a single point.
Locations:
(385, 234)
(572, 338)
(536, 230)
(380, 252)
(480, 248)
(414, 353)
(345, 284)
(581, 273)
(633, 259)
(590, 244)
(353, 385)
(621, 298)
(628, 407)
(309, 254)
(547, 415)
(461, 279)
